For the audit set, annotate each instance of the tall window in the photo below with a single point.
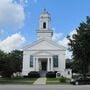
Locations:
(55, 61)
(31, 61)
(44, 25)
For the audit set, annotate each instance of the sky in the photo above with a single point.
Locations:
(19, 21)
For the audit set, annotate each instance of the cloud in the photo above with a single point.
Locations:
(64, 42)
(15, 41)
(1, 31)
(11, 14)
(23, 2)
(57, 36)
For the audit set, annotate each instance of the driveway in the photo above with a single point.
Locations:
(44, 87)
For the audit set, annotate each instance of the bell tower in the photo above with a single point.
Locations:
(44, 26)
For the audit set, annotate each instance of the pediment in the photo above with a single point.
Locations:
(44, 44)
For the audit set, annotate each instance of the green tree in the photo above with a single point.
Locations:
(2, 60)
(15, 59)
(80, 46)
(10, 63)
(68, 63)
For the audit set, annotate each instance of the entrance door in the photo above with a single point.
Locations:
(44, 65)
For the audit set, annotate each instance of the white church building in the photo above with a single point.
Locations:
(44, 54)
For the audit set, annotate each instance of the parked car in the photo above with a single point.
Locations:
(80, 81)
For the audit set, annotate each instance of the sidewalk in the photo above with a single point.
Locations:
(40, 81)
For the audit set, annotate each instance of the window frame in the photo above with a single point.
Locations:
(31, 60)
(55, 61)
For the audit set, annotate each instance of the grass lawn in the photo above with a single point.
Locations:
(17, 81)
(53, 81)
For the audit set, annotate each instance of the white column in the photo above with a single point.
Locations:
(48, 65)
(37, 65)
(51, 64)
(34, 63)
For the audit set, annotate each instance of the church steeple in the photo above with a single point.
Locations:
(44, 27)
(44, 20)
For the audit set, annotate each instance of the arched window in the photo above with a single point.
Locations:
(44, 25)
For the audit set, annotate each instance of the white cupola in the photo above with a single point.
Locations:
(44, 27)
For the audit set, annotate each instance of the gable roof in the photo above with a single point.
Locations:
(60, 47)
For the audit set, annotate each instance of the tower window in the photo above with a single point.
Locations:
(44, 25)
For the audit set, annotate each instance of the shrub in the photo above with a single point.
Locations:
(26, 76)
(51, 74)
(7, 74)
(33, 74)
(17, 77)
(62, 79)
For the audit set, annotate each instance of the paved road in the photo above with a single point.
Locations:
(44, 87)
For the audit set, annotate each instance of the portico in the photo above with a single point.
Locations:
(43, 63)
